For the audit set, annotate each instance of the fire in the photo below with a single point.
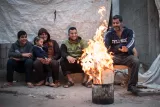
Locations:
(95, 57)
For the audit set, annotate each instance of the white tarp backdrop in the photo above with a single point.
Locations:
(54, 15)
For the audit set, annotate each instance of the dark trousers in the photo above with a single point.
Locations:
(69, 68)
(133, 63)
(25, 66)
(42, 71)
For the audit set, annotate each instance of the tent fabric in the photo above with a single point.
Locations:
(151, 78)
(54, 15)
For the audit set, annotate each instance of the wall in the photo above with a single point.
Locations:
(142, 17)
(31, 15)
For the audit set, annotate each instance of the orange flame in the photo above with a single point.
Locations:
(96, 58)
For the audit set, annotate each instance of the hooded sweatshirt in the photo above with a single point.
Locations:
(16, 50)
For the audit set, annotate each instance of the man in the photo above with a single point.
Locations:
(120, 41)
(20, 59)
(71, 50)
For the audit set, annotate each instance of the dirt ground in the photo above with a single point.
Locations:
(77, 96)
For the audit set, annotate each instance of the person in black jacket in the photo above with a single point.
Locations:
(20, 59)
(53, 53)
(120, 41)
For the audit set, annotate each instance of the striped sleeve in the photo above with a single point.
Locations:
(131, 40)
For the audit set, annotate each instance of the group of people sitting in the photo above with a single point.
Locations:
(42, 58)
(44, 55)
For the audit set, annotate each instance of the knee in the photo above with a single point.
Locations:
(29, 62)
(37, 63)
(10, 62)
(136, 61)
(55, 63)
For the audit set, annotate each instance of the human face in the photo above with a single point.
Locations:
(44, 36)
(40, 42)
(117, 25)
(73, 35)
(23, 39)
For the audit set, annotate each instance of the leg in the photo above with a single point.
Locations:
(66, 69)
(11, 65)
(49, 78)
(55, 71)
(133, 63)
(28, 65)
(39, 72)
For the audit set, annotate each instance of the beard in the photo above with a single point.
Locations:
(117, 28)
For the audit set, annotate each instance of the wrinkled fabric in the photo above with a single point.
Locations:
(151, 78)
(54, 15)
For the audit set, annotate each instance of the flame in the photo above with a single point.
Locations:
(95, 57)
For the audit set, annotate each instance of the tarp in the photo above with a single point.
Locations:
(151, 78)
(54, 15)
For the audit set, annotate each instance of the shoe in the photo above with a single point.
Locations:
(30, 85)
(57, 83)
(87, 84)
(133, 89)
(69, 84)
(6, 85)
(40, 83)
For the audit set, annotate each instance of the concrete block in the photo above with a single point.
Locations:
(3, 51)
(77, 77)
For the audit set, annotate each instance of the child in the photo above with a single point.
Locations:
(40, 52)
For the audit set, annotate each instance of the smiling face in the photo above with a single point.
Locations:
(117, 25)
(23, 39)
(39, 42)
(73, 34)
(44, 36)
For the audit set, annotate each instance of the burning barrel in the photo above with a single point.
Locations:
(104, 93)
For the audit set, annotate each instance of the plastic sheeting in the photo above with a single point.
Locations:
(54, 15)
(151, 78)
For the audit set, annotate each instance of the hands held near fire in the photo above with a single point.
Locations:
(123, 49)
(71, 59)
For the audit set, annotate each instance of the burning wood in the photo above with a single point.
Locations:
(98, 64)
(96, 61)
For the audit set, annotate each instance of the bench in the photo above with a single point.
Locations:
(121, 77)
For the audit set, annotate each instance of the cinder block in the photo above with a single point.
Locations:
(19, 77)
(3, 51)
(77, 77)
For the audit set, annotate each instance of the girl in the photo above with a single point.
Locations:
(41, 52)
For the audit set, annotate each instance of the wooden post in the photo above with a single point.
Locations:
(104, 93)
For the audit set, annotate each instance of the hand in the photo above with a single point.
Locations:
(17, 59)
(48, 60)
(71, 59)
(28, 55)
(123, 49)
(43, 61)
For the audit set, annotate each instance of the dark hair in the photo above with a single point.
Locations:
(21, 33)
(71, 28)
(43, 30)
(118, 17)
(36, 39)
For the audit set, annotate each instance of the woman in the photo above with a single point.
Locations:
(53, 53)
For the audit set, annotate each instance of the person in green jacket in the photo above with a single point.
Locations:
(71, 50)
